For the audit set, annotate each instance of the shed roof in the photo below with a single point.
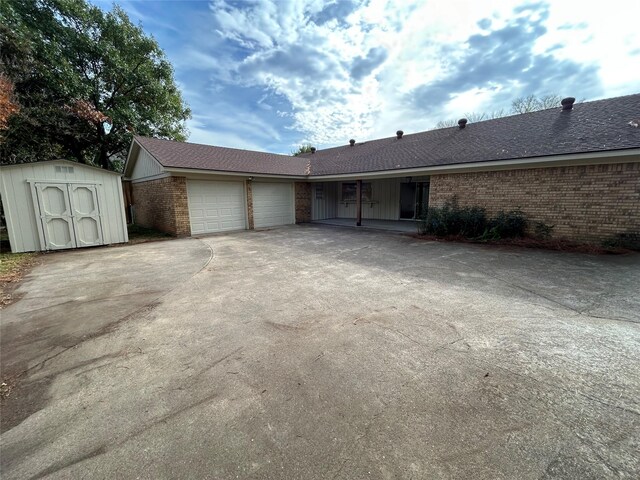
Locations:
(590, 127)
(60, 160)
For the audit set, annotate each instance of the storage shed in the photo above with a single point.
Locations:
(59, 204)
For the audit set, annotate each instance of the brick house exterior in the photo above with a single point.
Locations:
(589, 203)
(249, 193)
(577, 169)
(303, 202)
(162, 205)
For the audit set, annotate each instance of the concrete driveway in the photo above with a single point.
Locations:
(314, 352)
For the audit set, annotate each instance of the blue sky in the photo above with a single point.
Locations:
(273, 74)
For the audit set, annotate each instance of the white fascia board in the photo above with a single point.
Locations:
(148, 179)
(127, 162)
(177, 171)
(620, 156)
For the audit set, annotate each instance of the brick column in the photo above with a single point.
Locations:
(181, 207)
(162, 205)
(303, 202)
(249, 189)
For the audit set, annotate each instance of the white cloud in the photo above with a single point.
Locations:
(241, 129)
(420, 43)
(259, 71)
(311, 64)
(203, 133)
(608, 34)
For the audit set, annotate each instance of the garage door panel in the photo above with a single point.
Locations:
(216, 206)
(272, 204)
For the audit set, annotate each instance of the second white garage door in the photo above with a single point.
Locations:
(272, 204)
(215, 206)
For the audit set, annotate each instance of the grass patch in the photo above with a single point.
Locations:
(138, 234)
(13, 266)
(10, 263)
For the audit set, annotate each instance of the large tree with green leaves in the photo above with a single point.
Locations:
(72, 67)
(302, 149)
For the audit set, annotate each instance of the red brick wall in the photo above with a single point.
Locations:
(585, 203)
(303, 202)
(162, 205)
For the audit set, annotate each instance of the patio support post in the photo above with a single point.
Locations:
(358, 203)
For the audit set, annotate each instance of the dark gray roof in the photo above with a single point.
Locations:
(206, 157)
(598, 126)
(589, 127)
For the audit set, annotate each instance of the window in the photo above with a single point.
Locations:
(349, 192)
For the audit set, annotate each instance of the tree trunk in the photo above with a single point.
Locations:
(103, 158)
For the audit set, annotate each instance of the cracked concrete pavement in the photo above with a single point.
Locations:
(318, 352)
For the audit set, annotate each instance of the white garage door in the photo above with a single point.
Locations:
(272, 204)
(215, 206)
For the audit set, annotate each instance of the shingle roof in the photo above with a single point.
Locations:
(590, 127)
(597, 126)
(206, 157)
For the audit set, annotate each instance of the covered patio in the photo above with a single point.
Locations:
(383, 204)
(404, 226)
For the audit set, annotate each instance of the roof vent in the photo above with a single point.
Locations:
(352, 142)
(567, 103)
(399, 134)
(462, 123)
(313, 149)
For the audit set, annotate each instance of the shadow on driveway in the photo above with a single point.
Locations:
(77, 295)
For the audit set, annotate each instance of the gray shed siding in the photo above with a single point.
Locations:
(20, 212)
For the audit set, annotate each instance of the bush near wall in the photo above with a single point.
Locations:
(629, 241)
(472, 222)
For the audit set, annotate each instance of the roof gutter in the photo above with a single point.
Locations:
(177, 170)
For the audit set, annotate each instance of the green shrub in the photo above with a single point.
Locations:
(542, 230)
(489, 234)
(451, 219)
(472, 222)
(508, 225)
(629, 240)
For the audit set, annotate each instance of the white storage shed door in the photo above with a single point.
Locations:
(215, 206)
(272, 204)
(69, 215)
